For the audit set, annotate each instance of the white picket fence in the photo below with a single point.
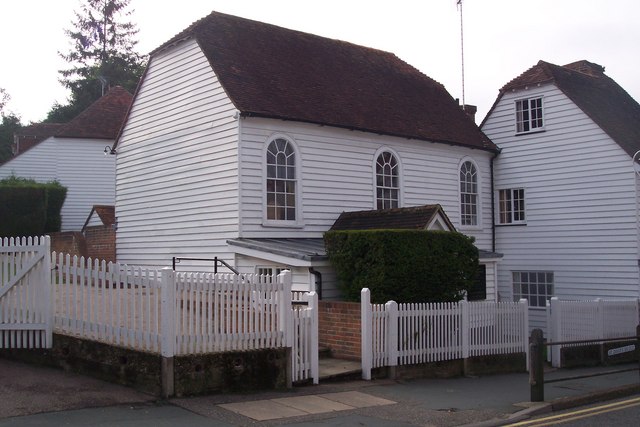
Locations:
(305, 338)
(401, 334)
(25, 309)
(589, 320)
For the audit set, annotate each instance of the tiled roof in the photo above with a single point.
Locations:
(102, 119)
(39, 131)
(596, 94)
(106, 213)
(273, 72)
(415, 218)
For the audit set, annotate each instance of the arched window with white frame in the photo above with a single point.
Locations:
(281, 185)
(468, 194)
(387, 181)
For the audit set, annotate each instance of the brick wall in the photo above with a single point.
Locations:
(339, 328)
(101, 242)
(68, 242)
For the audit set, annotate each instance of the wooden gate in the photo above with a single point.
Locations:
(26, 317)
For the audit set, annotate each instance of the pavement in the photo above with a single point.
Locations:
(37, 396)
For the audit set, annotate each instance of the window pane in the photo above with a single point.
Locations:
(281, 183)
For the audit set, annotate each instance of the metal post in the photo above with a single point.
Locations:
(638, 346)
(536, 370)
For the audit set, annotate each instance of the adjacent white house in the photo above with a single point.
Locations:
(566, 189)
(74, 155)
(246, 141)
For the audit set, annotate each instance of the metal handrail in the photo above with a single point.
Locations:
(176, 260)
(536, 368)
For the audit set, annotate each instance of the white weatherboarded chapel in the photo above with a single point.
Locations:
(246, 141)
(73, 154)
(566, 188)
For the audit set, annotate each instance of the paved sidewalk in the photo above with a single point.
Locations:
(38, 396)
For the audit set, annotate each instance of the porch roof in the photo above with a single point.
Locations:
(308, 249)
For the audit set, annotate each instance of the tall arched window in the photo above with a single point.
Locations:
(281, 181)
(468, 194)
(387, 181)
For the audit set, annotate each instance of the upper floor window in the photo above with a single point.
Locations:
(529, 115)
(468, 194)
(511, 206)
(387, 181)
(281, 181)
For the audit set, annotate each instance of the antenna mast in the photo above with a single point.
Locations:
(459, 3)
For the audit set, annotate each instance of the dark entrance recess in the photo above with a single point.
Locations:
(478, 291)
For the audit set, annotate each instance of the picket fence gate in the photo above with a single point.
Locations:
(25, 309)
(161, 311)
(589, 320)
(402, 334)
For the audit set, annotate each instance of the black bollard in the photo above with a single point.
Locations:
(536, 366)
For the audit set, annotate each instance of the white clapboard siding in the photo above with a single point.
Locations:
(177, 164)
(337, 167)
(580, 201)
(78, 164)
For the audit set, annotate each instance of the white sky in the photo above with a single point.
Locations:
(502, 38)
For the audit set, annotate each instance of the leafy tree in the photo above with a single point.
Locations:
(102, 55)
(8, 126)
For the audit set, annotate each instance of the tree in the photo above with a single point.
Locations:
(8, 126)
(102, 55)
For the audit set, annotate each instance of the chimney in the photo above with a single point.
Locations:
(471, 111)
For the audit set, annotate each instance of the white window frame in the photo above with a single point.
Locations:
(298, 221)
(375, 176)
(535, 117)
(270, 270)
(517, 215)
(529, 284)
(478, 204)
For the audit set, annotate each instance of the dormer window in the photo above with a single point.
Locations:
(529, 115)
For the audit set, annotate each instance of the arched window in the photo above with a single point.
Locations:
(468, 194)
(281, 181)
(387, 181)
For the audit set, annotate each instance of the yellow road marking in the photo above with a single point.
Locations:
(578, 414)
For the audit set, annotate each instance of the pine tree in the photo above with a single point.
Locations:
(9, 124)
(102, 56)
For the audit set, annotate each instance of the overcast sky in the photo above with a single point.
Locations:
(502, 38)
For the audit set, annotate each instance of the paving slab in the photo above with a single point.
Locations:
(313, 404)
(357, 399)
(262, 410)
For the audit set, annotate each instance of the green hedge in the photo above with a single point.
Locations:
(29, 208)
(403, 265)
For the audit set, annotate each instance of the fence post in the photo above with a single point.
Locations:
(536, 370)
(556, 328)
(638, 345)
(524, 304)
(167, 330)
(465, 328)
(391, 307)
(312, 300)
(49, 293)
(600, 326)
(366, 327)
(286, 321)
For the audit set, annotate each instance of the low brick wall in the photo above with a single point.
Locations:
(339, 328)
(210, 373)
(69, 242)
(477, 365)
(101, 242)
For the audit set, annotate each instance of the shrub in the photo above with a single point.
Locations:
(403, 265)
(29, 208)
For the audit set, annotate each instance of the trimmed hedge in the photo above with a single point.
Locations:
(403, 265)
(29, 208)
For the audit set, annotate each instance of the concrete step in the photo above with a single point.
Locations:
(339, 370)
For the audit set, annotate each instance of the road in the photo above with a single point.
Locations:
(623, 412)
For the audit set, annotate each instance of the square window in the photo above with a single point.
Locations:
(529, 115)
(535, 286)
(511, 206)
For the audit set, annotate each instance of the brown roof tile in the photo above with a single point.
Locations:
(102, 119)
(106, 213)
(273, 72)
(411, 218)
(596, 94)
